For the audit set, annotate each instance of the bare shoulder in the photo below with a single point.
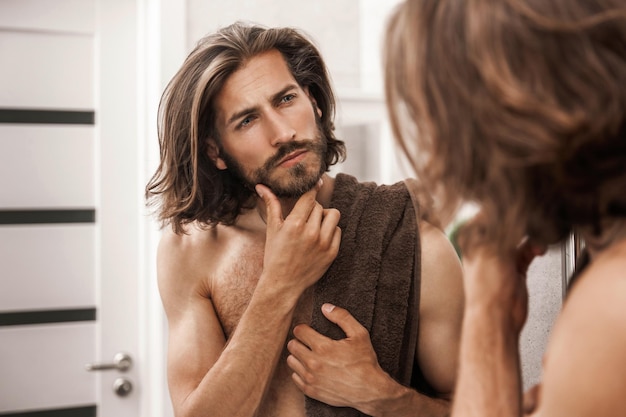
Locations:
(185, 247)
(585, 361)
(601, 288)
(183, 262)
(181, 251)
(612, 261)
(442, 277)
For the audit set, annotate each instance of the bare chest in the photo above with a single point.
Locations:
(233, 284)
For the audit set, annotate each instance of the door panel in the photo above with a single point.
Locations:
(50, 70)
(51, 267)
(42, 370)
(47, 165)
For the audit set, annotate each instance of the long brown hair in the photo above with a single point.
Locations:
(516, 105)
(187, 186)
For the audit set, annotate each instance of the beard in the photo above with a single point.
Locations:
(300, 178)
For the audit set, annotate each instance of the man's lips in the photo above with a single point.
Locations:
(293, 158)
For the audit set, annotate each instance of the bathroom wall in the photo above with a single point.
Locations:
(334, 24)
(545, 288)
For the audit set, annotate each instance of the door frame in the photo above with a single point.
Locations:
(118, 249)
(164, 45)
(140, 44)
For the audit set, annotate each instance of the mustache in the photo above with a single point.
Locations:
(288, 148)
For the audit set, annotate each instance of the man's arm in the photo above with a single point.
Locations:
(208, 376)
(346, 372)
(497, 299)
(441, 310)
(489, 371)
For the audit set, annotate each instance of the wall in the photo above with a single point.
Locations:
(334, 25)
(545, 289)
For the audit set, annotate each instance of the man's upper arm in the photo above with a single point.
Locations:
(441, 309)
(584, 364)
(195, 334)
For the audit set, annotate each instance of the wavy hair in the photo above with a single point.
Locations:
(187, 186)
(518, 106)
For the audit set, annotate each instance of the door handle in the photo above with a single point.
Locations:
(121, 362)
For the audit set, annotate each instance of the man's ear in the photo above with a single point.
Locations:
(214, 153)
(313, 101)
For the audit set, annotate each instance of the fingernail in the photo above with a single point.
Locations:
(259, 190)
(320, 182)
(327, 308)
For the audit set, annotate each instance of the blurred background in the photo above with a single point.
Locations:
(80, 82)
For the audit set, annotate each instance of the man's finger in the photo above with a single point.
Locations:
(342, 318)
(329, 223)
(306, 336)
(295, 364)
(306, 203)
(316, 216)
(273, 209)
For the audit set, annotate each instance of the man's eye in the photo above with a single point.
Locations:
(245, 122)
(288, 98)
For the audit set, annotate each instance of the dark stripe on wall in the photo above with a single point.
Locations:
(47, 216)
(32, 116)
(86, 411)
(20, 318)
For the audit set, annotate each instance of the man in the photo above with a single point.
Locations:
(246, 136)
(520, 107)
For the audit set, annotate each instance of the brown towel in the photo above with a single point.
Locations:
(373, 276)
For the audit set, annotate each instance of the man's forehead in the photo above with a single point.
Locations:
(262, 72)
(257, 81)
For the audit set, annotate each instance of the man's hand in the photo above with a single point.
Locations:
(341, 373)
(498, 281)
(300, 248)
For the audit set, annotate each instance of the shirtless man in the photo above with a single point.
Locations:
(520, 107)
(246, 137)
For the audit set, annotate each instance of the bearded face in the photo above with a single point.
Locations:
(268, 128)
(306, 164)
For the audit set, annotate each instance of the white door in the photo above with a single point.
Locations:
(75, 251)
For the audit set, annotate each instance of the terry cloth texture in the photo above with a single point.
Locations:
(375, 277)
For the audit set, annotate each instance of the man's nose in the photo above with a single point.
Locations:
(280, 128)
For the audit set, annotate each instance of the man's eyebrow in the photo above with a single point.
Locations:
(276, 97)
(240, 114)
(273, 99)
